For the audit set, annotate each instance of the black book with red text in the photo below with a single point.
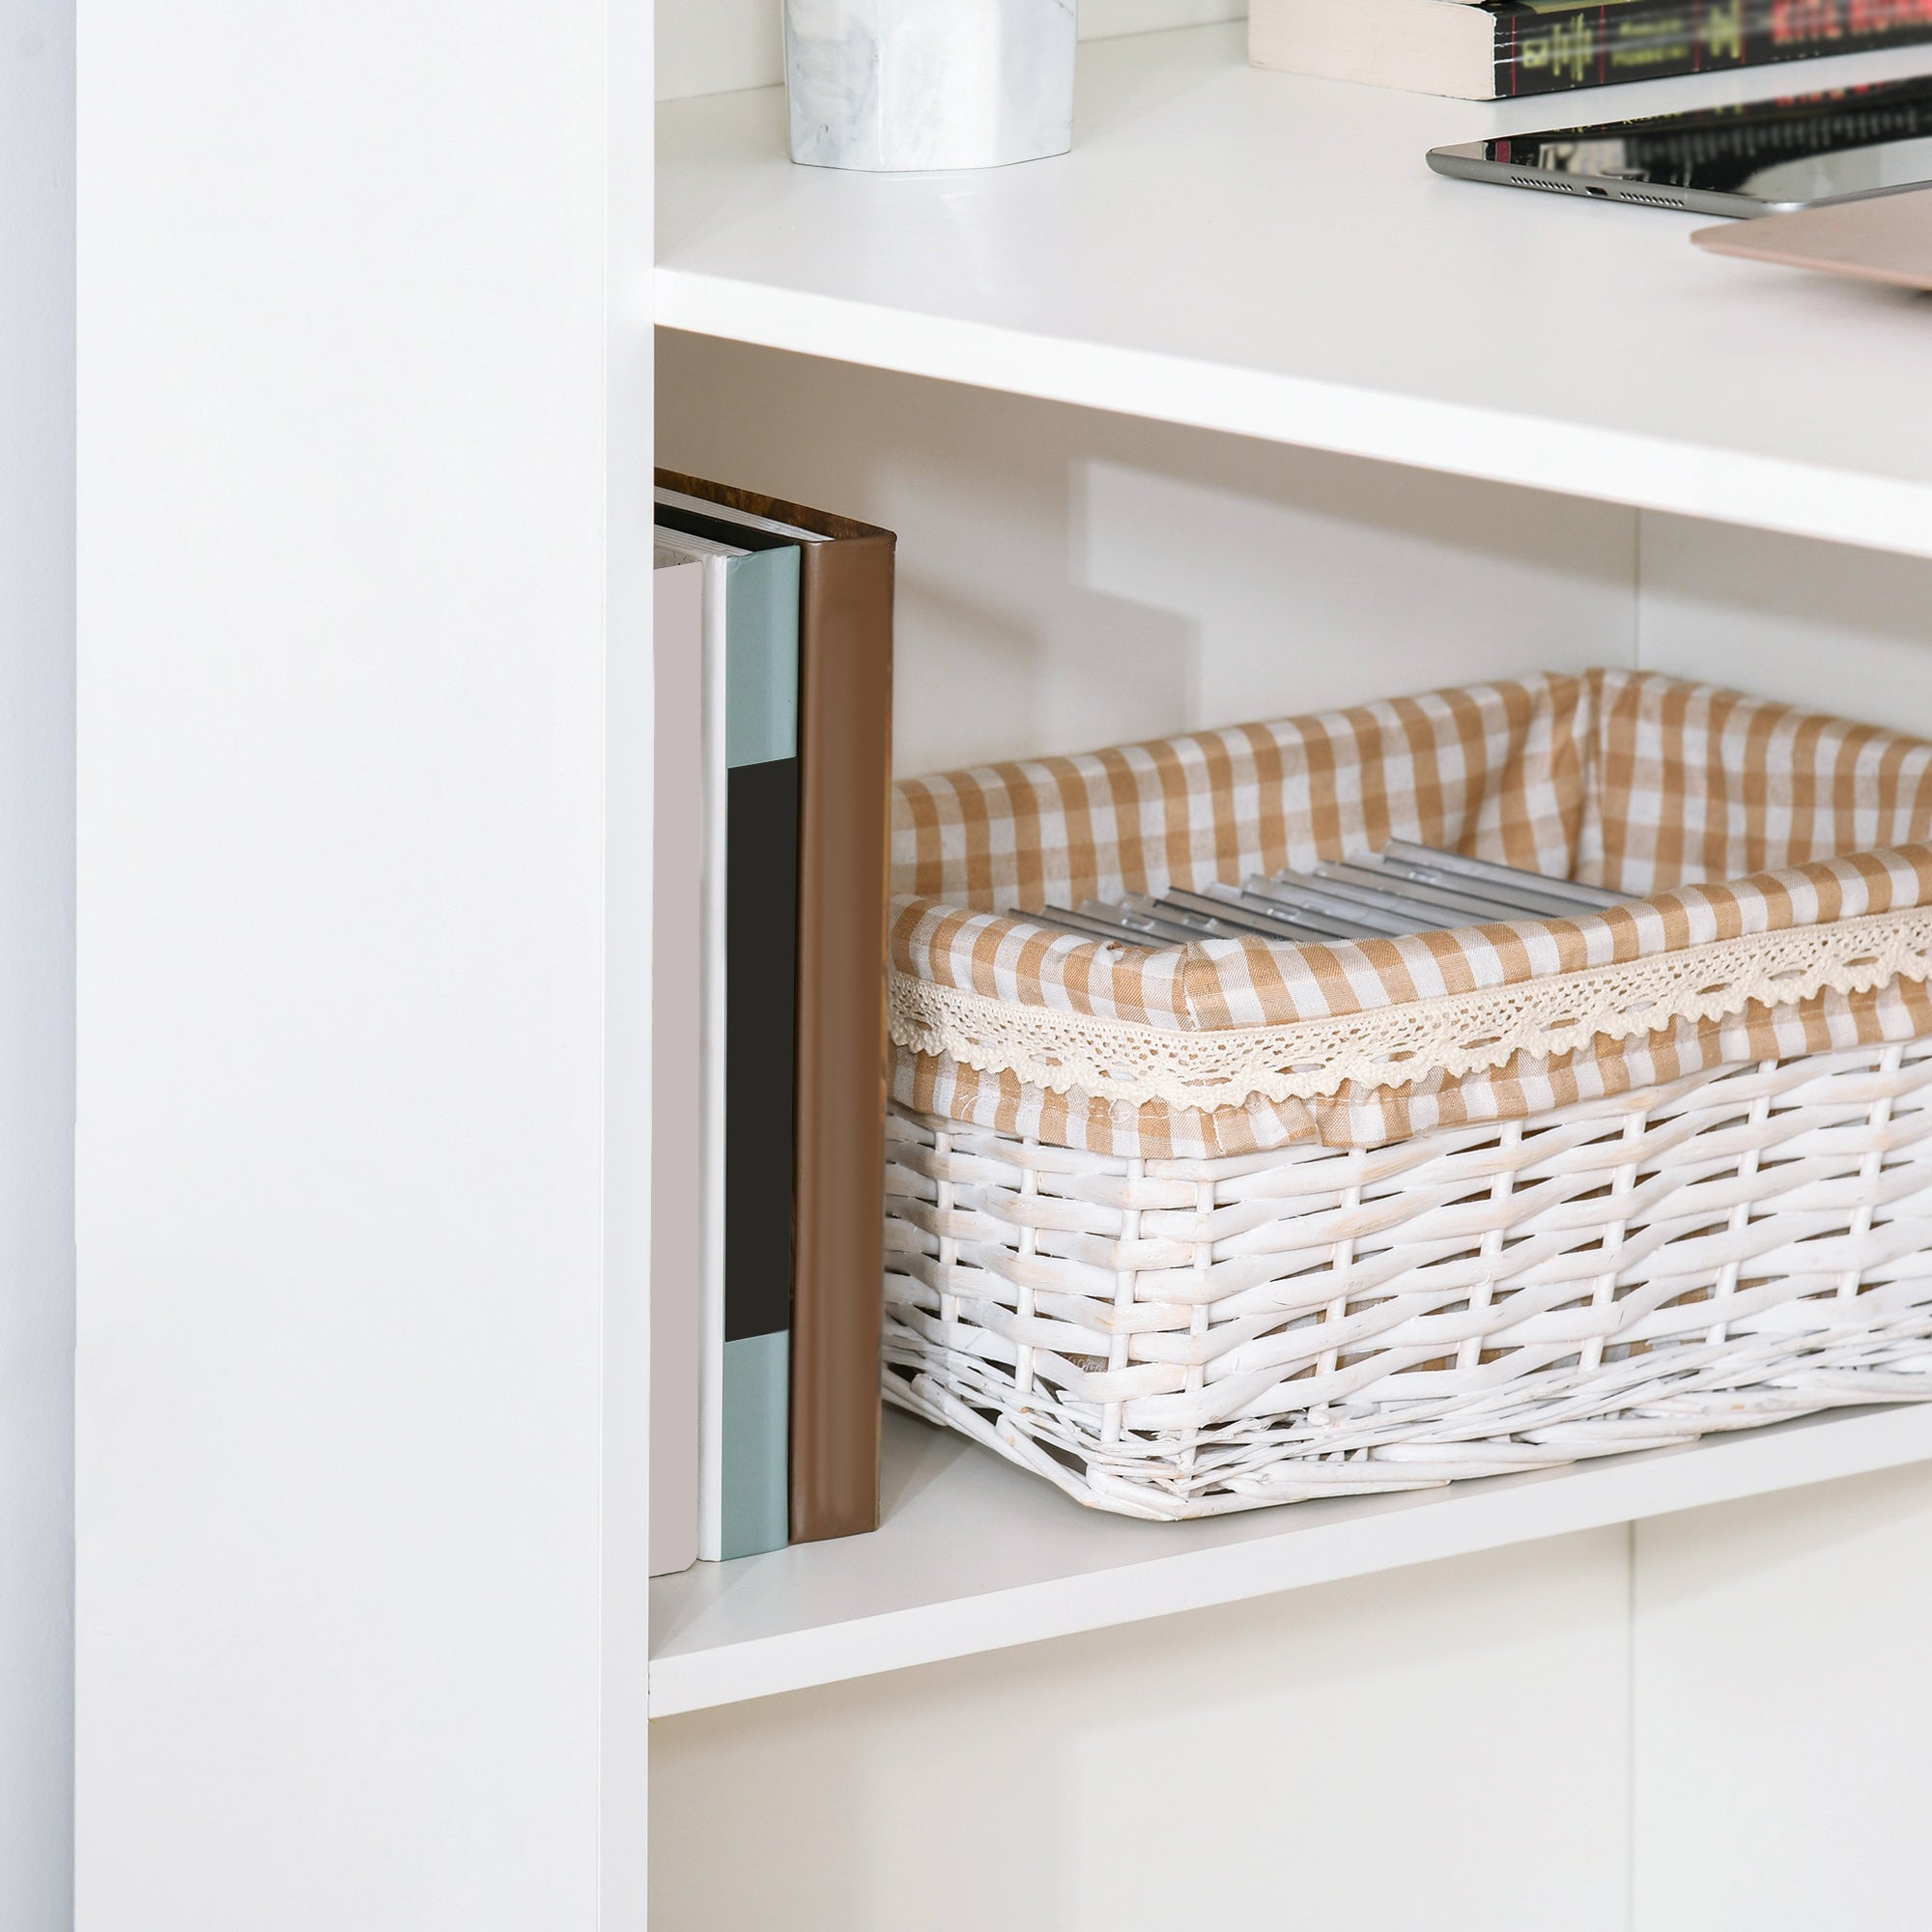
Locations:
(1495, 48)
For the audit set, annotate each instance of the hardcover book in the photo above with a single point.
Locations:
(1495, 48)
(846, 677)
(677, 993)
(749, 816)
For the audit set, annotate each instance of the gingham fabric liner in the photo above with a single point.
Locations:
(1631, 779)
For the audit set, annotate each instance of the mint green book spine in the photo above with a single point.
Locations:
(760, 968)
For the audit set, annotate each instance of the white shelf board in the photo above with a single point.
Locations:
(1269, 256)
(976, 1555)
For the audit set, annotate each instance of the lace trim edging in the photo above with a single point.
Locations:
(1453, 1034)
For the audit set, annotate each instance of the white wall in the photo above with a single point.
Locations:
(1068, 579)
(1783, 1698)
(1812, 623)
(712, 46)
(349, 1651)
(35, 963)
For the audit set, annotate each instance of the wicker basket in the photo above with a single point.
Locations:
(1237, 1223)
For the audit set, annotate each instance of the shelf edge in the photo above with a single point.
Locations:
(1570, 459)
(1465, 1522)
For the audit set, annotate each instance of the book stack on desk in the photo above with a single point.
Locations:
(774, 626)
(1490, 49)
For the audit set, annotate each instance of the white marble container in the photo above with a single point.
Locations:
(906, 84)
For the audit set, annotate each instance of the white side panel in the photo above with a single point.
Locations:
(342, 1579)
(1848, 631)
(1782, 1704)
(630, 827)
(1070, 579)
(1443, 1748)
(36, 964)
(712, 46)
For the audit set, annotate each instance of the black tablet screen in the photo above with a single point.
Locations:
(1806, 147)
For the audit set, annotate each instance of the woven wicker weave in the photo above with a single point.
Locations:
(1177, 1338)
(1170, 1337)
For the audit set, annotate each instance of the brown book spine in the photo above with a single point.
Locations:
(845, 735)
(845, 714)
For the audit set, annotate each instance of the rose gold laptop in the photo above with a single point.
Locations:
(1886, 238)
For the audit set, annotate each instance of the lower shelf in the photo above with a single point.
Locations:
(976, 1554)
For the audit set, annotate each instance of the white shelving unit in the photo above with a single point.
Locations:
(1269, 256)
(363, 426)
(1260, 255)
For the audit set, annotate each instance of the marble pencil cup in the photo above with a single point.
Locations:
(895, 85)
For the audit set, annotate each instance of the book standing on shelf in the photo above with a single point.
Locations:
(677, 993)
(1493, 50)
(748, 808)
(822, 1183)
(845, 727)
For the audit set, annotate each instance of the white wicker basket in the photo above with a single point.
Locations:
(1239, 1224)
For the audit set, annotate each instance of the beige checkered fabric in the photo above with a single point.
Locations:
(1729, 813)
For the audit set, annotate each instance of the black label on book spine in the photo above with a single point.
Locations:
(1544, 51)
(761, 952)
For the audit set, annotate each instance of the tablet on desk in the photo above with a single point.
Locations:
(1753, 158)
